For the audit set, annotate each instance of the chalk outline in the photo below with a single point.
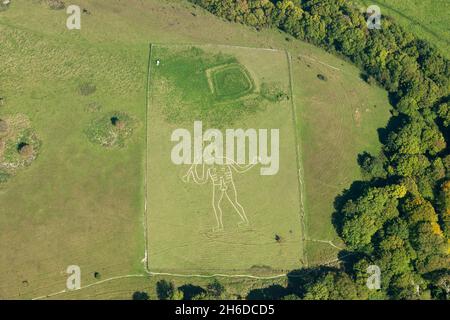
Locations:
(229, 164)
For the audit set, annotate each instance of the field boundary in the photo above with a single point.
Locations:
(145, 222)
(213, 45)
(298, 148)
(299, 170)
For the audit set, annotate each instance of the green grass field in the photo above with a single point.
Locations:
(427, 19)
(77, 203)
(82, 203)
(180, 215)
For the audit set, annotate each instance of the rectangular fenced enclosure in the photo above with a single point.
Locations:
(233, 220)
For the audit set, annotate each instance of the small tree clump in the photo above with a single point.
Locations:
(56, 4)
(25, 150)
(165, 290)
(19, 146)
(215, 289)
(111, 129)
(273, 92)
(140, 295)
(118, 123)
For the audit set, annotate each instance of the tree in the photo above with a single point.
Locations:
(165, 290)
(430, 245)
(372, 167)
(178, 295)
(416, 137)
(444, 207)
(334, 286)
(440, 284)
(215, 289)
(139, 295)
(363, 217)
(408, 286)
(443, 112)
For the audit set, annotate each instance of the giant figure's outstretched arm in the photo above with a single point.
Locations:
(242, 168)
(192, 172)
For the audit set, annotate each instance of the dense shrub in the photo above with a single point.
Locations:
(111, 129)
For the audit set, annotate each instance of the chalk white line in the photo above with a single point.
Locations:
(217, 275)
(145, 218)
(146, 206)
(318, 61)
(217, 45)
(148, 273)
(327, 242)
(221, 180)
(300, 175)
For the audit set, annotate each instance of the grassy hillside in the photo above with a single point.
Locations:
(264, 237)
(81, 203)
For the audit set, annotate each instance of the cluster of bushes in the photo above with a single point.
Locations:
(55, 4)
(111, 129)
(20, 149)
(166, 290)
(19, 145)
(273, 92)
(398, 218)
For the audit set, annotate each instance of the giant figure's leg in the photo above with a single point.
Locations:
(217, 198)
(232, 196)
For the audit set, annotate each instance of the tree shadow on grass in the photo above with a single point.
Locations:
(273, 292)
(140, 295)
(393, 124)
(190, 291)
(298, 280)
